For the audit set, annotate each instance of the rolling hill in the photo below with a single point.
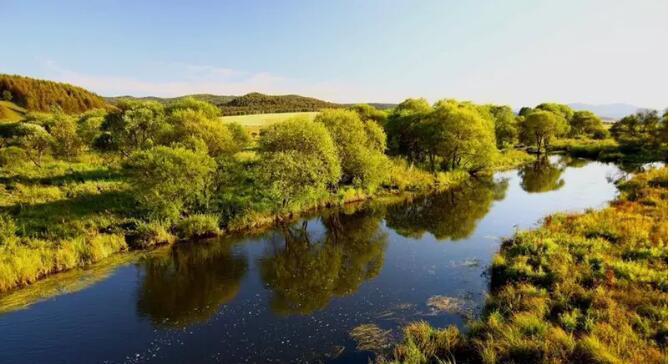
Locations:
(41, 95)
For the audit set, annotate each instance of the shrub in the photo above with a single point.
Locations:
(197, 226)
(169, 181)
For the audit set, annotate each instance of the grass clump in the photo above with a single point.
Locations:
(583, 288)
(197, 226)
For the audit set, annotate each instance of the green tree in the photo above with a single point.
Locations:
(188, 123)
(66, 140)
(7, 95)
(171, 181)
(359, 146)
(405, 131)
(559, 109)
(585, 123)
(645, 129)
(298, 156)
(135, 125)
(460, 135)
(506, 125)
(370, 113)
(539, 127)
(34, 140)
(190, 103)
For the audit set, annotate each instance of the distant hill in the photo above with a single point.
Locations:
(608, 111)
(41, 95)
(257, 103)
(252, 103)
(214, 99)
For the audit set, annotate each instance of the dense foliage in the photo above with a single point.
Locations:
(41, 95)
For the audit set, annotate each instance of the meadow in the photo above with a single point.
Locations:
(254, 122)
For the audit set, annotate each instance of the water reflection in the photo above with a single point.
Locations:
(189, 284)
(452, 214)
(543, 175)
(305, 271)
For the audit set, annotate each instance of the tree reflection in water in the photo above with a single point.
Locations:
(542, 176)
(305, 272)
(190, 284)
(452, 214)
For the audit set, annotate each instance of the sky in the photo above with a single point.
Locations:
(513, 52)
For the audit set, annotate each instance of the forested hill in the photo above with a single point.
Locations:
(256, 103)
(41, 95)
(217, 100)
(252, 103)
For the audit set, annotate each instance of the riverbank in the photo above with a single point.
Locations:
(65, 215)
(587, 288)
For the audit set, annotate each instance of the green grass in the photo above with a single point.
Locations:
(10, 112)
(582, 288)
(253, 123)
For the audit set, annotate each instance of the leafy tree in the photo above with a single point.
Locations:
(405, 131)
(7, 95)
(190, 103)
(298, 155)
(460, 135)
(89, 125)
(559, 109)
(539, 127)
(585, 123)
(188, 123)
(34, 140)
(169, 181)
(240, 137)
(643, 130)
(66, 140)
(506, 125)
(360, 147)
(135, 125)
(370, 113)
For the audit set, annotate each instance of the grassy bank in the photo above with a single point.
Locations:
(68, 214)
(582, 288)
(608, 150)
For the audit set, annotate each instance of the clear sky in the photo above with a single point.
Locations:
(509, 52)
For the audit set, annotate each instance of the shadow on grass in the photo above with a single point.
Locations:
(73, 177)
(71, 217)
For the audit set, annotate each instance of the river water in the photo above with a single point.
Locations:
(295, 292)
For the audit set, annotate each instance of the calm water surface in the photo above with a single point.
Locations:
(294, 293)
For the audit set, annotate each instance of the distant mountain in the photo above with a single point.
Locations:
(608, 111)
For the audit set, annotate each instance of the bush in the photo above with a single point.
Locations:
(170, 181)
(197, 226)
(149, 234)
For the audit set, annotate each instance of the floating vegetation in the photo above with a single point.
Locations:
(445, 304)
(370, 337)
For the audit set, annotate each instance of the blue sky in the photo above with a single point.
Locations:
(508, 52)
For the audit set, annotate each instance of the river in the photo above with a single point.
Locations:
(295, 292)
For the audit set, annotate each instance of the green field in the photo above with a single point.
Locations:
(253, 123)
